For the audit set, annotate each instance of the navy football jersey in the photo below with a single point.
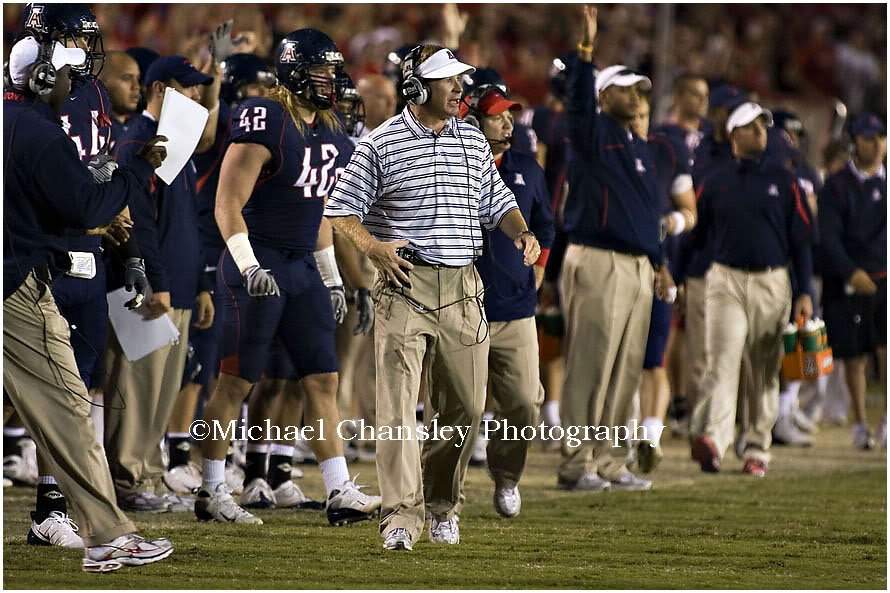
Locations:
(672, 159)
(285, 209)
(207, 165)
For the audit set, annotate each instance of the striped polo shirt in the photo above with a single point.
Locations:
(405, 182)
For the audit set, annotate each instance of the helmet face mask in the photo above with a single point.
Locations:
(350, 106)
(309, 65)
(238, 72)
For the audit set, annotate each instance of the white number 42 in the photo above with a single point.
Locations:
(259, 119)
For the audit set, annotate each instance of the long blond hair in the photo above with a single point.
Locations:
(290, 102)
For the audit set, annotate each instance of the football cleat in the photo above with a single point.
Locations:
(348, 504)
(220, 506)
(56, 530)
(258, 495)
(183, 479)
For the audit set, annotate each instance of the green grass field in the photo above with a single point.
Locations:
(818, 520)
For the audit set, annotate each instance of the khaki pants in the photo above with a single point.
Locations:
(41, 377)
(149, 388)
(695, 338)
(607, 303)
(455, 342)
(355, 390)
(746, 313)
(516, 388)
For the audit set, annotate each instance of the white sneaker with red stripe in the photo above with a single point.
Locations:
(127, 550)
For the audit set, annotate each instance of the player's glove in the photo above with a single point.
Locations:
(221, 43)
(102, 167)
(134, 279)
(260, 282)
(338, 301)
(365, 311)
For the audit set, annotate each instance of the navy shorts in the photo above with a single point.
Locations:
(856, 324)
(83, 304)
(659, 328)
(302, 318)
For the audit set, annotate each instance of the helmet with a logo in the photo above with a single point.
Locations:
(295, 58)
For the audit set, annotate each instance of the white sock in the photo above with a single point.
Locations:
(213, 473)
(277, 449)
(46, 480)
(550, 412)
(654, 427)
(257, 447)
(334, 473)
(787, 398)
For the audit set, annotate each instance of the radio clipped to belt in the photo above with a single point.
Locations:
(807, 354)
(83, 264)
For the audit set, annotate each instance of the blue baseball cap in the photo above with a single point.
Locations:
(728, 95)
(868, 125)
(176, 68)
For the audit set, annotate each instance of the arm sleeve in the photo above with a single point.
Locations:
(541, 222)
(496, 199)
(799, 241)
(832, 212)
(359, 185)
(557, 254)
(75, 196)
(145, 228)
(582, 109)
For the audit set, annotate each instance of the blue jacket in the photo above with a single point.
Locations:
(510, 285)
(47, 190)
(165, 222)
(853, 224)
(754, 216)
(613, 201)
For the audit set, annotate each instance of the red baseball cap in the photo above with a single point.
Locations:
(494, 103)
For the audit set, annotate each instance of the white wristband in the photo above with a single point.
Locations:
(242, 252)
(679, 222)
(327, 267)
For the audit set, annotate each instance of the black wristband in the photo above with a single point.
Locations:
(129, 249)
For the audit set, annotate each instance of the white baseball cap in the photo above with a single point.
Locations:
(745, 113)
(619, 75)
(442, 64)
(27, 51)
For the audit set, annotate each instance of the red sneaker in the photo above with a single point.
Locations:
(705, 452)
(754, 467)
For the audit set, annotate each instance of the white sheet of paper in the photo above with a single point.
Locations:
(138, 337)
(182, 122)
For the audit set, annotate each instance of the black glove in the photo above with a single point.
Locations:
(365, 311)
(260, 282)
(338, 301)
(102, 167)
(134, 278)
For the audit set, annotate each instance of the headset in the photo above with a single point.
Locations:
(42, 73)
(474, 116)
(415, 90)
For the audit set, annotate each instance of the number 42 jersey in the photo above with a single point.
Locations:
(285, 209)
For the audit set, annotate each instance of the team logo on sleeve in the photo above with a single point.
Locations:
(289, 54)
(35, 19)
(519, 180)
(640, 168)
(772, 190)
(876, 195)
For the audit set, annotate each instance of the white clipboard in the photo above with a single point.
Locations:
(137, 336)
(182, 121)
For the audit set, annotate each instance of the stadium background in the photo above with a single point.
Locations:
(803, 57)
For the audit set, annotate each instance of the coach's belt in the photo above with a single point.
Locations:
(83, 264)
(759, 269)
(425, 264)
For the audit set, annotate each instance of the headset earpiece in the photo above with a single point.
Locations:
(414, 90)
(42, 74)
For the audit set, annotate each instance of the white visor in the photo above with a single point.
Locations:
(442, 64)
(744, 114)
(619, 75)
(27, 51)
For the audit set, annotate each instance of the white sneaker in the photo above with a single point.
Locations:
(480, 451)
(56, 530)
(179, 504)
(303, 453)
(627, 481)
(349, 504)
(588, 482)
(288, 495)
(786, 432)
(183, 479)
(862, 438)
(444, 532)
(258, 495)
(127, 550)
(220, 506)
(507, 501)
(397, 539)
(22, 468)
(234, 478)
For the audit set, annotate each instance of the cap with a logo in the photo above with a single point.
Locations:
(868, 125)
(24, 53)
(745, 113)
(442, 64)
(619, 75)
(175, 68)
